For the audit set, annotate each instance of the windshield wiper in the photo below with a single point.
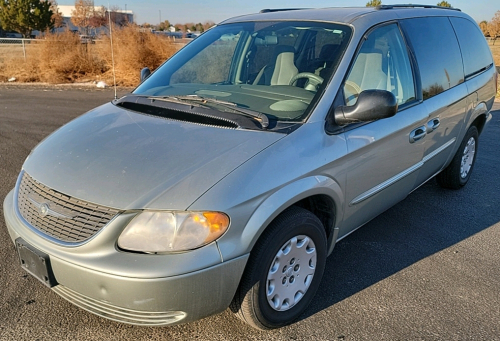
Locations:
(261, 117)
(174, 99)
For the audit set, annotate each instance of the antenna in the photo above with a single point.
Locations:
(112, 51)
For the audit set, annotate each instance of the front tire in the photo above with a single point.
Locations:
(284, 271)
(458, 172)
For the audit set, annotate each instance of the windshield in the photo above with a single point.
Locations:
(273, 68)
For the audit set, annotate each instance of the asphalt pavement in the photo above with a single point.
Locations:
(427, 269)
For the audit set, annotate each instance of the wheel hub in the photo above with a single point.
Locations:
(468, 158)
(291, 273)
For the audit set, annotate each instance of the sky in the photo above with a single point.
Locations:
(181, 11)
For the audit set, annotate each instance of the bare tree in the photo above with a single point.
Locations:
(494, 27)
(86, 16)
(444, 4)
(98, 17)
(56, 15)
(483, 25)
(117, 16)
(373, 3)
(207, 25)
(80, 16)
(164, 26)
(189, 27)
(194, 27)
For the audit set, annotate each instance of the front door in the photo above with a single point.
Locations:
(384, 156)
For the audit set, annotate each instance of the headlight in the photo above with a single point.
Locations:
(152, 231)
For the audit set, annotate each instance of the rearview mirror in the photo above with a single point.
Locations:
(371, 105)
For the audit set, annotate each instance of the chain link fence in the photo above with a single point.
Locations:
(67, 57)
(14, 47)
(21, 47)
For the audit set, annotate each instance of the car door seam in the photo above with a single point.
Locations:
(371, 192)
(439, 150)
(374, 190)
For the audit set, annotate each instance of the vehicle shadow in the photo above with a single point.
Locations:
(428, 221)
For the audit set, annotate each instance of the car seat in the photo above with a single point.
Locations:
(283, 69)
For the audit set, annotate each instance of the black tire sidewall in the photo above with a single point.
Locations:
(451, 177)
(472, 132)
(276, 239)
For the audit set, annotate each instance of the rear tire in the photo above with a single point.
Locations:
(458, 172)
(284, 271)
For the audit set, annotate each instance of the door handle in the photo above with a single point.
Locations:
(433, 124)
(418, 134)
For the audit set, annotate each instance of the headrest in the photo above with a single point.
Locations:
(283, 49)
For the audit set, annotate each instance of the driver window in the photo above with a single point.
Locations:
(382, 63)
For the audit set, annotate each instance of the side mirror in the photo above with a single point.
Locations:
(371, 105)
(145, 73)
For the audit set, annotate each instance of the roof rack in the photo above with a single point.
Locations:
(270, 10)
(416, 6)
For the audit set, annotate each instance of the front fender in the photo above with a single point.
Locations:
(241, 241)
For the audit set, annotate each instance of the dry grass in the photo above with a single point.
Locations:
(62, 58)
(133, 51)
(495, 50)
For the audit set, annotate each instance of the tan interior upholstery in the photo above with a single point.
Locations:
(284, 68)
(367, 72)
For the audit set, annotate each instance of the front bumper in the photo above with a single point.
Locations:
(140, 289)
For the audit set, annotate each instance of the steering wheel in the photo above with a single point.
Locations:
(312, 83)
(351, 92)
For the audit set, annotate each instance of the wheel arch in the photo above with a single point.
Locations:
(479, 122)
(478, 117)
(317, 194)
(323, 207)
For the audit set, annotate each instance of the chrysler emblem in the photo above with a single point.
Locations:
(48, 208)
(43, 209)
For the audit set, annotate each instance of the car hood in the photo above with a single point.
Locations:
(126, 160)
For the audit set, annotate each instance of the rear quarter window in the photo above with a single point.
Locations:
(437, 52)
(475, 51)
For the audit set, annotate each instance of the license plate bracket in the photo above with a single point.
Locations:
(35, 262)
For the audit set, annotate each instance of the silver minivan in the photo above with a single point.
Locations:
(228, 175)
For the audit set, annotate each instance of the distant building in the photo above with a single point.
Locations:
(119, 17)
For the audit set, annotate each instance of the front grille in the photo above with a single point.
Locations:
(59, 216)
(119, 314)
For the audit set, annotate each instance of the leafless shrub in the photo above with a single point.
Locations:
(133, 51)
(62, 58)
